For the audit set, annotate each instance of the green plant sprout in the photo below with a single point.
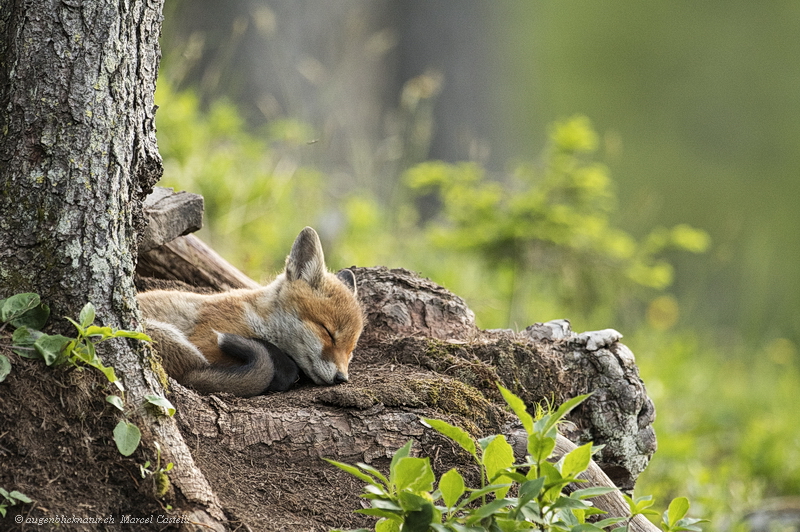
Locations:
(10, 499)
(407, 501)
(158, 474)
(28, 315)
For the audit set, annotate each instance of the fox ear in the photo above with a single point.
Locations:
(348, 278)
(306, 260)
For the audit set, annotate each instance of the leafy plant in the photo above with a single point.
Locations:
(28, 315)
(158, 474)
(10, 499)
(551, 222)
(21, 310)
(406, 500)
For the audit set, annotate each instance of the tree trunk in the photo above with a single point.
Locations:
(78, 154)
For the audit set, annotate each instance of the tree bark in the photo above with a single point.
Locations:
(78, 154)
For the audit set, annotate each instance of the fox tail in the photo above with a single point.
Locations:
(264, 368)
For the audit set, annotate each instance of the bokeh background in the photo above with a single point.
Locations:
(621, 164)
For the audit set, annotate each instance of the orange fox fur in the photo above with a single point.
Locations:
(246, 342)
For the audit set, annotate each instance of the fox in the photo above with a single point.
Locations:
(250, 341)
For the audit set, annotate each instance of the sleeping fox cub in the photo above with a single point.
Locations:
(246, 342)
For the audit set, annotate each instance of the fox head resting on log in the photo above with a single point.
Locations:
(247, 342)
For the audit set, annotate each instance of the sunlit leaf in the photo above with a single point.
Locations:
(162, 402)
(116, 400)
(87, 314)
(452, 487)
(414, 474)
(457, 434)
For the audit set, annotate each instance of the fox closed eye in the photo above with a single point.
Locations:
(333, 338)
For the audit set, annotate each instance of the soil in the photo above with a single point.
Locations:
(56, 447)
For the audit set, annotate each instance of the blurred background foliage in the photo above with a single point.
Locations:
(621, 164)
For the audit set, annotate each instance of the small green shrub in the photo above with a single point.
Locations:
(550, 227)
(407, 501)
(11, 498)
(28, 315)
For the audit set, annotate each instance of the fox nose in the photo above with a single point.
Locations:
(340, 378)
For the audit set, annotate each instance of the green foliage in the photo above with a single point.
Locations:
(28, 314)
(23, 311)
(10, 499)
(158, 474)
(553, 222)
(257, 194)
(729, 443)
(407, 500)
(127, 437)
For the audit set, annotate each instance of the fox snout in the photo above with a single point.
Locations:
(340, 378)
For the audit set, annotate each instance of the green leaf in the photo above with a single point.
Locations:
(565, 409)
(402, 452)
(530, 489)
(377, 512)
(353, 471)
(127, 437)
(478, 493)
(419, 520)
(35, 318)
(387, 525)
(108, 371)
(687, 524)
(576, 461)
(382, 504)
(20, 497)
(611, 521)
(568, 502)
(588, 493)
(86, 316)
(5, 367)
(51, 347)
(411, 502)
(116, 400)
(374, 472)
(677, 510)
(586, 527)
(96, 330)
(414, 474)
(452, 487)
(17, 305)
(519, 408)
(640, 505)
(498, 457)
(488, 509)
(540, 447)
(163, 402)
(457, 434)
(25, 336)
